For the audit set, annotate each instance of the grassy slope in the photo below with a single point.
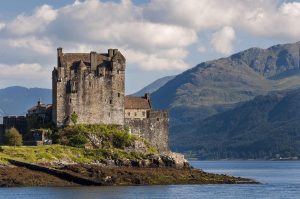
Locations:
(55, 153)
(105, 141)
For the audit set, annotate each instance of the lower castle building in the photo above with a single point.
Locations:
(92, 86)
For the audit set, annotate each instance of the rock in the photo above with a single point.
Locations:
(175, 160)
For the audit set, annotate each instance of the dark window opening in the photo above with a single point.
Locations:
(110, 101)
(119, 94)
(157, 119)
(135, 114)
(70, 100)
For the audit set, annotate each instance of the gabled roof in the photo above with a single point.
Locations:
(132, 102)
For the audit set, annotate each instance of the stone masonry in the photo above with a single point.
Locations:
(154, 128)
(91, 85)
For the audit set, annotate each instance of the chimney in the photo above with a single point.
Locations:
(115, 51)
(39, 102)
(110, 52)
(93, 58)
(147, 96)
(59, 54)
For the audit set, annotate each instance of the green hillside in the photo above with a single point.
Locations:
(266, 127)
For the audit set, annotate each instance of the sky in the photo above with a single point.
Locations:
(157, 37)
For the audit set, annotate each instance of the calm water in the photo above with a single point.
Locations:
(279, 180)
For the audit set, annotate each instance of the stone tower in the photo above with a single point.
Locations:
(92, 85)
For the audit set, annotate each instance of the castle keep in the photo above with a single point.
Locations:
(92, 86)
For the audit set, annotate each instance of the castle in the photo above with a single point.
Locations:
(92, 86)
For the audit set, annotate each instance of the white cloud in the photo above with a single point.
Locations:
(17, 74)
(156, 62)
(2, 25)
(41, 46)
(35, 23)
(222, 40)
(154, 36)
(261, 18)
(279, 21)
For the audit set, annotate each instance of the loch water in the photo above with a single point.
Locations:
(279, 179)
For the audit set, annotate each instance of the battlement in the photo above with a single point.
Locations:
(92, 59)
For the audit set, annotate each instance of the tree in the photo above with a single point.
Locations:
(13, 137)
(74, 118)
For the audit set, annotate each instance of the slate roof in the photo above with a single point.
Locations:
(132, 102)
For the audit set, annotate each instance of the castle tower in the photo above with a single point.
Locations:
(92, 85)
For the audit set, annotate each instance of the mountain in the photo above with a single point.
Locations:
(230, 80)
(265, 127)
(17, 100)
(154, 86)
(220, 85)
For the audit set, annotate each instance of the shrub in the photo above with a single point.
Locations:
(13, 137)
(121, 139)
(74, 118)
(78, 140)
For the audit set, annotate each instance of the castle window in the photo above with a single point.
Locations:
(144, 113)
(118, 71)
(119, 94)
(128, 113)
(70, 100)
(157, 119)
(90, 83)
(110, 101)
(135, 114)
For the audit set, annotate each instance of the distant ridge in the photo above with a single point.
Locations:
(17, 100)
(154, 86)
(266, 127)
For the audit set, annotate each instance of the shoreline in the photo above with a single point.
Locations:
(270, 160)
(14, 176)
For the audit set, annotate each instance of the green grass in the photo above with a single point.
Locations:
(55, 153)
(112, 143)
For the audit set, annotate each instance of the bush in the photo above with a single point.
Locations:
(78, 140)
(13, 137)
(74, 118)
(121, 139)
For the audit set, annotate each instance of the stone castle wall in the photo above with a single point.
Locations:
(91, 85)
(1, 133)
(154, 129)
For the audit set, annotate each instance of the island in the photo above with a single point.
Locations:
(92, 134)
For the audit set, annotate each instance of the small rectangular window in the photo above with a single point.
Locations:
(144, 113)
(128, 113)
(135, 114)
(119, 94)
(110, 101)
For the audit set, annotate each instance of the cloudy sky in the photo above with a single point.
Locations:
(158, 37)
